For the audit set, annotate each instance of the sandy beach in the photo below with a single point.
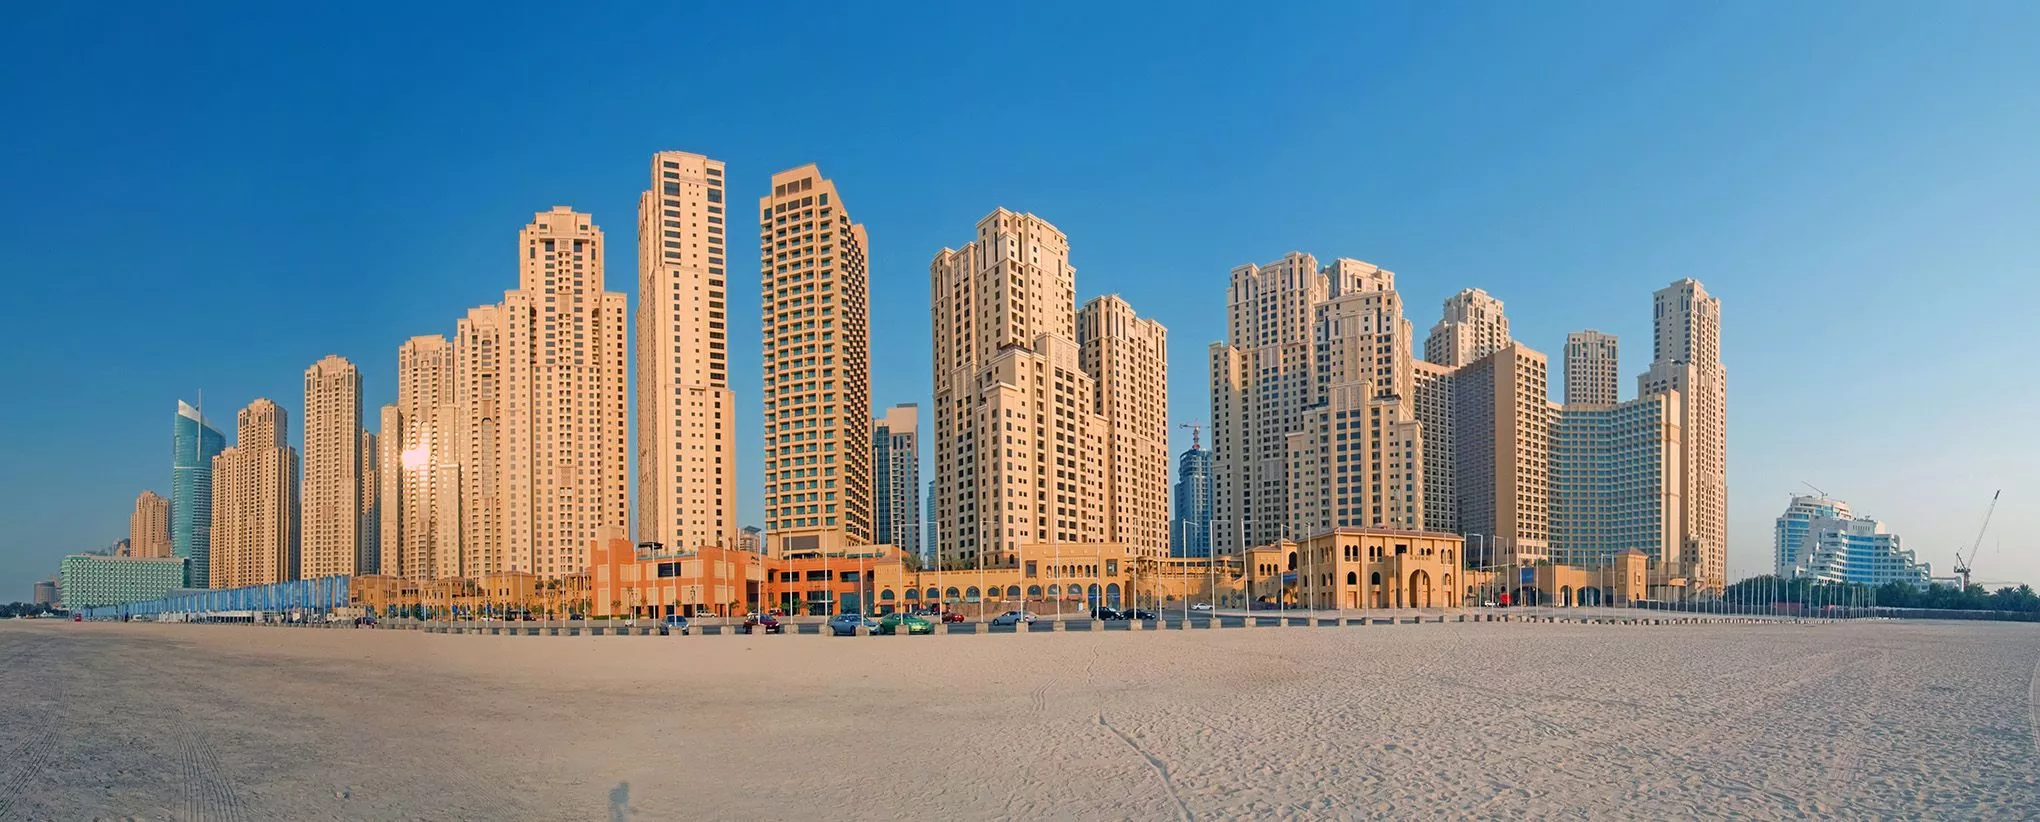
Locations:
(1862, 720)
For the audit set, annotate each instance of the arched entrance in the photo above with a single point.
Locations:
(1565, 596)
(1420, 589)
(1590, 597)
(1451, 595)
(1380, 597)
(1112, 595)
(1092, 595)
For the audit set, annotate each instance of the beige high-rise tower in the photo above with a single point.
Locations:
(368, 559)
(1051, 424)
(1357, 455)
(686, 425)
(1590, 368)
(1473, 327)
(1502, 425)
(562, 370)
(331, 529)
(478, 438)
(1686, 358)
(427, 477)
(817, 340)
(149, 527)
(1127, 358)
(1262, 377)
(255, 510)
(389, 493)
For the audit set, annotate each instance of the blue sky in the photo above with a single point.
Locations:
(215, 200)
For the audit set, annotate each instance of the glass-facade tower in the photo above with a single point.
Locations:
(1191, 536)
(194, 444)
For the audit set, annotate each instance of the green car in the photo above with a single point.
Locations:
(915, 625)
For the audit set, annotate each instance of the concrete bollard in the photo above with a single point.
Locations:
(1133, 625)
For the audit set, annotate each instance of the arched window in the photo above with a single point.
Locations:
(913, 594)
(970, 594)
(1012, 592)
(952, 594)
(1352, 578)
(1033, 592)
(1112, 595)
(1054, 591)
(1374, 578)
(1292, 560)
(885, 595)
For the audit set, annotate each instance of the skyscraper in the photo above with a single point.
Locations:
(1191, 529)
(255, 505)
(1432, 387)
(427, 509)
(1356, 451)
(1817, 538)
(1502, 448)
(478, 420)
(1261, 379)
(896, 477)
(817, 348)
(1615, 480)
(1018, 440)
(1686, 357)
(1314, 418)
(563, 440)
(1590, 368)
(368, 559)
(1127, 358)
(149, 527)
(332, 488)
(931, 535)
(389, 496)
(686, 426)
(194, 444)
(1472, 327)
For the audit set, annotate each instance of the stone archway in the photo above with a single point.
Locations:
(1420, 589)
(1565, 596)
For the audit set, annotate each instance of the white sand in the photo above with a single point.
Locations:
(1866, 720)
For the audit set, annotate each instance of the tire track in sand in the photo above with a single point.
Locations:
(208, 794)
(30, 758)
(1161, 769)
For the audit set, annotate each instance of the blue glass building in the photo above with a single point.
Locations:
(1190, 534)
(194, 444)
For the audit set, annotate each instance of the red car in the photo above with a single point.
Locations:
(952, 616)
(770, 623)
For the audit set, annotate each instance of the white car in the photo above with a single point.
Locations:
(1200, 606)
(1012, 618)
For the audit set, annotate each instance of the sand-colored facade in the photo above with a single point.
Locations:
(331, 494)
(255, 505)
(817, 348)
(1127, 357)
(686, 413)
(149, 527)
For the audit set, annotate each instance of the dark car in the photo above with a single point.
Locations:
(1136, 613)
(768, 624)
(672, 624)
(1102, 612)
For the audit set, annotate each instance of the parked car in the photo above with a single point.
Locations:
(1200, 606)
(1012, 618)
(1136, 613)
(1102, 612)
(766, 624)
(952, 616)
(915, 625)
(674, 624)
(847, 624)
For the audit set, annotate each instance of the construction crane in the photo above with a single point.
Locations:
(1816, 488)
(1962, 564)
(1196, 428)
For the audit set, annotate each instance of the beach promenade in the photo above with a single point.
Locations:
(1766, 721)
